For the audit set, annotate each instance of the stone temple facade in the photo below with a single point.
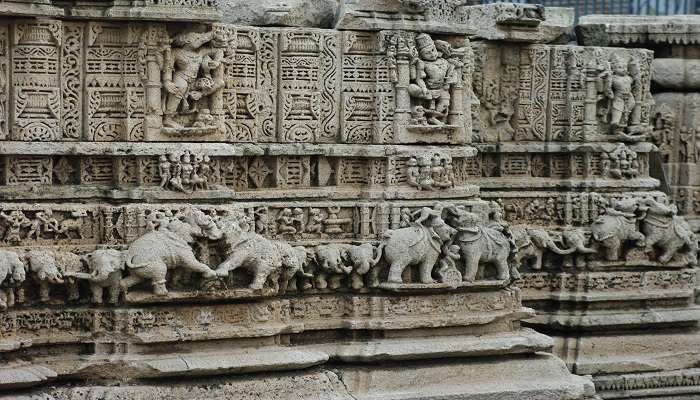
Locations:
(369, 199)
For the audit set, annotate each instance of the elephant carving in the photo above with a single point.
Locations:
(12, 275)
(576, 239)
(417, 244)
(294, 260)
(255, 253)
(106, 268)
(615, 227)
(481, 245)
(531, 245)
(666, 231)
(330, 260)
(152, 255)
(49, 268)
(363, 258)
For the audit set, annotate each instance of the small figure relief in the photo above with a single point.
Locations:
(617, 105)
(314, 225)
(430, 172)
(14, 221)
(498, 108)
(43, 226)
(687, 150)
(664, 129)
(285, 222)
(191, 70)
(447, 271)
(621, 163)
(185, 172)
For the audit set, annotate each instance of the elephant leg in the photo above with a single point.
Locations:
(396, 271)
(357, 281)
(114, 294)
(639, 238)
(538, 260)
(3, 301)
(155, 271)
(229, 265)
(274, 277)
(291, 284)
(130, 281)
(471, 267)
(284, 283)
(514, 270)
(96, 293)
(190, 262)
(425, 270)
(73, 292)
(374, 276)
(612, 249)
(260, 278)
(335, 282)
(44, 291)
(669, 251)
(10, 294)
(321, 282)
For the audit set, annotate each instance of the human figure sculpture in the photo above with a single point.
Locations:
(413, 172)
(431, 79)
(315, 223)
(285, 222)
(187, 76)
(15, 220)
(164, 171)
(617, 88)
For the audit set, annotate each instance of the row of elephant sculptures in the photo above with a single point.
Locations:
(445, 243)
(438, 236)
(624, 225)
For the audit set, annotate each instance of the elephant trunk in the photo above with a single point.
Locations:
(362, 268)
(345, 268)
(56, 278)
(556, 249)
(581, 248)
(378, 255)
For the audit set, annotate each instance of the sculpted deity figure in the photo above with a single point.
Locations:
(285, 222)
(15, 220)
(187, 76)
(431, 78)
(617, 87)
(164, 171)
(315, 224)
(413, 172)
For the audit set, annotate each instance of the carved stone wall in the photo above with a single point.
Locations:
(192, 209)
(588, 213)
